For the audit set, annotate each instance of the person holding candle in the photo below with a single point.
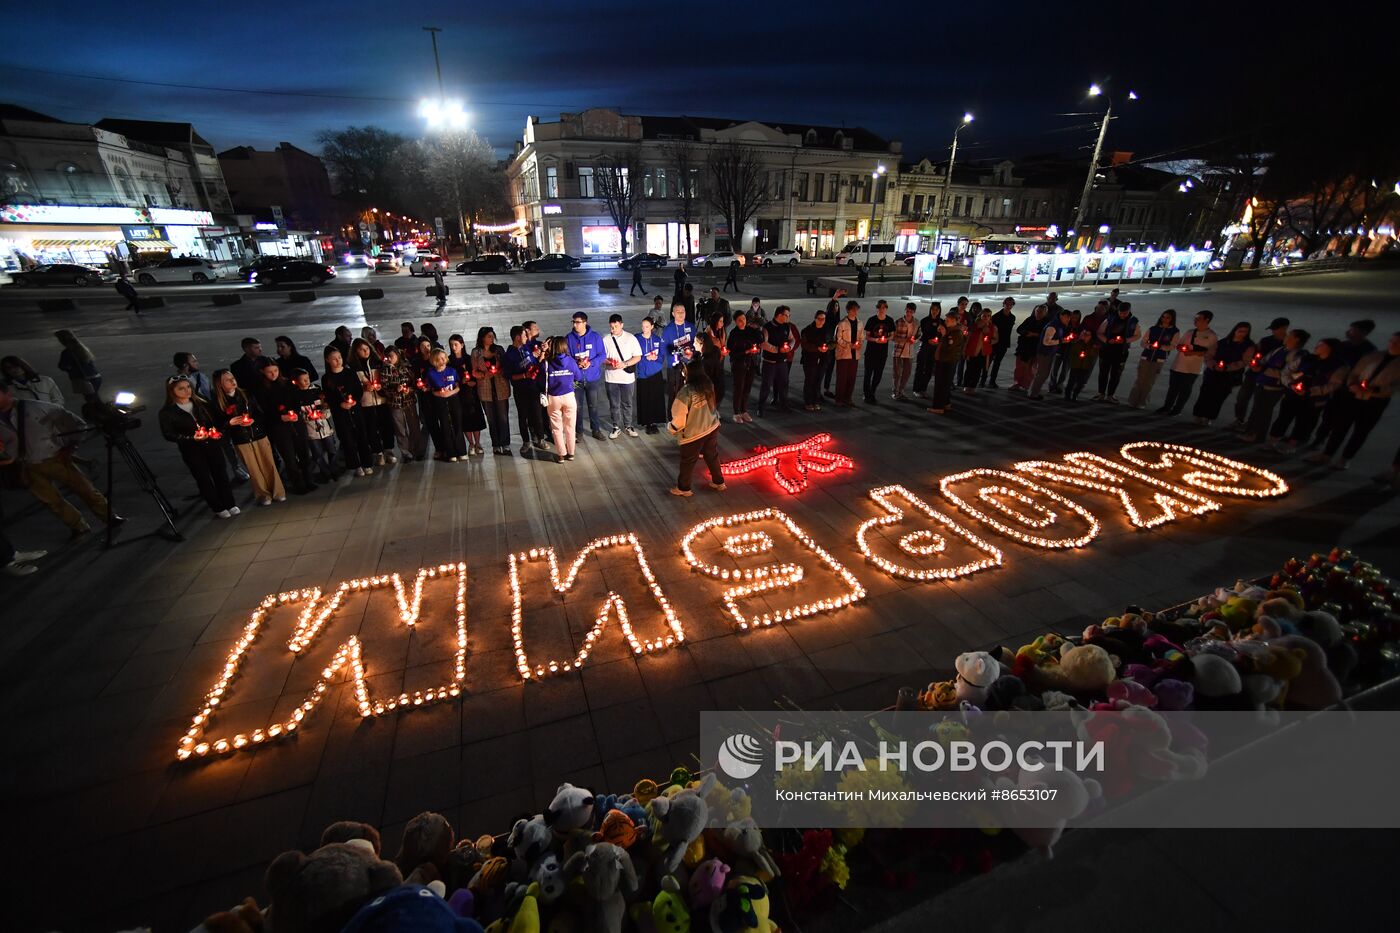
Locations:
(289, 359)
(586, 346)
(1354, 347)
(879, 328)
(624, 353)
(1156, 346)
(1052, 337)
(420, 362)
(1223, 373)
(982, 339)
(952, 340)
(780, 340)
(1083, 352)
(1027, 343)
(277, 399)
(442, 381)
(716, 351)
(1371, 383)
(247, 367)
(1118, 331)
(833, 318)
(1059, 366)
(242, 423)
(651, 378)
(342, 389)
(523, 368)
(1278, 330)
(188, 422)
(1093, 323)
(679, 341)
(929, 326)
(468, 416)
(1320, 375)
(493, 389)
(967, 314)
(1003, 321)
(848, 346)
(905, 340)
(1193, 351)
(815, 351)
(396, 380)
(372, 410)
(1276, 375)
(320, 427)
(695, 424)
(371, 336)
(745, 343)
(562, 373)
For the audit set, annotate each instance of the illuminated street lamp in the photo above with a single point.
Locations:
(967, 118)
(874, 186)
(1095, 91)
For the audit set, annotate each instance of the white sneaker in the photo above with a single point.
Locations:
(279, 498)
(264, 502)
(390, 458)
(379, 459)
(235, 511)
(224, 514)
(17, 568)
(28, 557)
(631, 432)
(614, 434)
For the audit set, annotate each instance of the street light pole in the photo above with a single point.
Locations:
(943, 200)
(870, 233)
(433, 31)
(1094, 91)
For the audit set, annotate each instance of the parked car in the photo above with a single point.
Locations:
(552, 262)
(293, 270)
(721, 259)
(427, 264)
(179, 269)
(778, 257)
(859, 252)
(495, 262)
(64, 273)
(387, 262)
(645, 260)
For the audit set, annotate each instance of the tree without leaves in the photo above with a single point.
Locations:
(616, 177)
(362, 163)
(736, 187)
(684, 161)
(459, 174)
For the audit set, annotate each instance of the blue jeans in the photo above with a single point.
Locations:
(589, 394)
(620, 398)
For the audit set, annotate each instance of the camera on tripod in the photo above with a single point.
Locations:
(116, 417)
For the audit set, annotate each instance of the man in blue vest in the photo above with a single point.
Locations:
(680, 342)
(586, 347)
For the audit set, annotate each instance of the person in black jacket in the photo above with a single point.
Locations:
(289, 359)
(342, 388)
(281, 408)
(1003, 321)
(189, 423)
(816, 349)
(744, 343)
(242, 423)
(929, 327)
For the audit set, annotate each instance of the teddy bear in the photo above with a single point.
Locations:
(1137, 744)
(528, 839)
(245, 918)
(1124, 693)
(1045, 820)
(977, 671)
(680, 818)
(427, 840)
(320, 892)
(1323, 628)
(572, 808)
(488, 886)
(706, 882)
(742, 907)
(609, 880)
(410, 907)
(1080, 670)
(345, 830)
(1008, 692)
(1315, 687)
(665, 913)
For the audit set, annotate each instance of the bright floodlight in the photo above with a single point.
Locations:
(1132, 95)
(1181, 188)
(1103, 228)
(124, 398)
(967, 118)
(1095, 90)
(443, 113)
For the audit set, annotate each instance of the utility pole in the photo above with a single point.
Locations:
(432, 31)
(1093, 170)
(943, 199)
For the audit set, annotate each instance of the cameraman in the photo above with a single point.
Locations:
(43, 437)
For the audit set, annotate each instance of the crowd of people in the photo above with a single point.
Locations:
(286, 423)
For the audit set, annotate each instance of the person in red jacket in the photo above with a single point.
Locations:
(982, 338)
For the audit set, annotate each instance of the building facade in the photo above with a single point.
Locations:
(287, 178)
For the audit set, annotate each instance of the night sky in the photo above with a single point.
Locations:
(899, 69)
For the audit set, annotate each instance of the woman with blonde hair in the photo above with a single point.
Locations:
(242, 421)
(78, 362)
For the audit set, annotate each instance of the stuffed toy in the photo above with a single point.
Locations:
(1137, 745)
(665, 913)
(488, 886)
(743, 841)
(618, 829)
(1045, 820)
(1314, 687)
(609, 879)
(463, 862)
(1125, 693)
(706, 882)
(1323, 628)
(427, 840)
(410, 907)
(1081, 670)
(1280, 664)
(547, 878)
(680, 818)
(528, 840)
(742, 907)
(571, 809)
(345, 830)
(1008, 692)
(1044, 650)
(245, 918)
(1059, 702)
(320, 892)
(1216, 682)
(522, 913)
(939, 695)
(977, 671)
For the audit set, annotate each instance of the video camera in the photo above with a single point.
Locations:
(116, 417)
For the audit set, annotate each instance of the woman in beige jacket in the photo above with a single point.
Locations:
(695, 424)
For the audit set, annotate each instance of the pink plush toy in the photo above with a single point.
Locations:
(706, 882)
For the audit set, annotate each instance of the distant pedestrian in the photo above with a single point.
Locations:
(733, 277)
(680, 277)
(78, 362)
(439, 287)
(128, 291)
(862, 276)
(636, 278)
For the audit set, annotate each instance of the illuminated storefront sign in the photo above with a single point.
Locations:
(769, 572)
(117, 216)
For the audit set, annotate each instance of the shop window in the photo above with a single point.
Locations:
(551, 181)
(585, 181)
(600, 240)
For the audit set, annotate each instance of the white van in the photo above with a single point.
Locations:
(854, 253)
